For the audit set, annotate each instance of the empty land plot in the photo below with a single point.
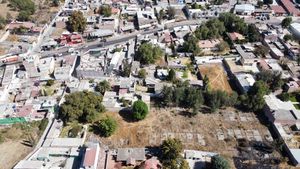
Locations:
(207, 132)
(12, 152)
(216, 75)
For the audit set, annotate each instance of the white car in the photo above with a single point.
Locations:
(71, 50)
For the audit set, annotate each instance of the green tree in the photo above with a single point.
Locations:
(55, 2)
(233, 23)
(126, 69)
(196, 6)
(268, 1)
(206, 83)
(73, 132)
(184, 164)
(81, 106)
(105, 10)
(191, 45)
(171, 149)
(2, 22)
(272, 79)
(50, 82)
(102, 87)
(172, 75)
(212, 29)
(217, 99)
(284, 96)
(288, 37)
(286, 22)
(43, 124)
(139, 110)
(222, 46)
(147, 53)
(254, 99)
(219, 162)
(260, 3)
(253, 34)
(219, 2)
(77, 22)
(171, 12)
(167, 95)
(23, 5)
(23, 16)
(161, 15)
(107, 126)
(142, 73)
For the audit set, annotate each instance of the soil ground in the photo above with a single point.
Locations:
(216, 75)
(15, 144)
(216, 132)
(12, 152)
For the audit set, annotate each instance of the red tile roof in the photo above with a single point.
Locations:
(24, 111)
(14, 25)
(278, 9)
(290, 7)
(235, 36)
(90, 157)
(151, 163)
(114, 10)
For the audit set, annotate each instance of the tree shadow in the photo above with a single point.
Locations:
(126, 114)
(95, 129)
(27, 143)
(206, 110)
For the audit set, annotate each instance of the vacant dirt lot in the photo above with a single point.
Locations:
(209, 132)
(11, 153)
(216, 75)
(16, 142)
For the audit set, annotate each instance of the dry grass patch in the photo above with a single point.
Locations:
(217, 77)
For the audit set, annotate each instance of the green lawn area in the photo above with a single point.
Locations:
(293, 98)
(297, 106)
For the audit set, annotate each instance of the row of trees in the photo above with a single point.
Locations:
(193, 98)
(227, 22)
(183, 95)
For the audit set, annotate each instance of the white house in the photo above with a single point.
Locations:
(244, 9)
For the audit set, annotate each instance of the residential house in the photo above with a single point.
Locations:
(278, 10)
(244, 81)
(292, 86)
(290, 7)
(247, 57)
(198, 159)
(285, 122)
(244, 9)
(152, 163)
(91, 156)
(209, 45)
(234, 36)
(129, 156)
(66, 67)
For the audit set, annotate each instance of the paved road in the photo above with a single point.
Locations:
(116, 40)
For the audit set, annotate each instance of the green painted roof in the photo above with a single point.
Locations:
(12, 120)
